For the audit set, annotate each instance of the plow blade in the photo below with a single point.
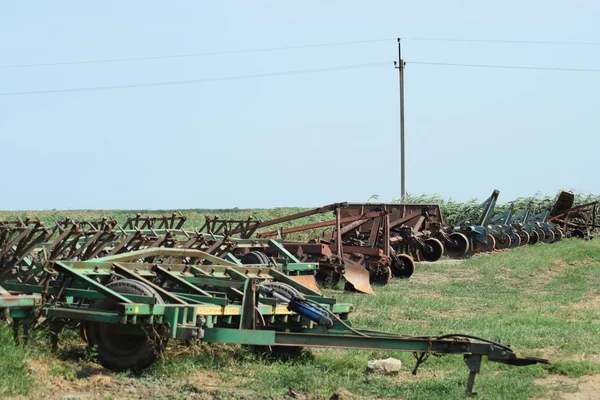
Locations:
(306, 280)
(357, 276)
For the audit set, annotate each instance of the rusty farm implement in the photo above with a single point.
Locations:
(574, 221)
(409, 231)
(360, 264)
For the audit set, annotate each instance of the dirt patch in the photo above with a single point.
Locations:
(551, 353)
(84, 380)
(407, 375)
(555, 385)
(589, 301)
(447, 261)
(586, 388)
(430, 278)
(576, 263)
(424, 277)
(542, 277)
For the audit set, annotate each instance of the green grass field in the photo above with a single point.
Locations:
(542, 300)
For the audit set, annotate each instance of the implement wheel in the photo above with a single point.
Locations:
(381, 277)
(534, 237)
(525, 238)
(457, 245)
(541, 235)
(489, 245)
(550, 237)
(123, 351)
(255, 257)
(404, 268)
(558, 234)
(503, 241)
(432, 251)
(515, 240)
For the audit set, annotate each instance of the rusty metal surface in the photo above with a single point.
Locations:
(398, 211)
(364, 218)
(307, 280)
(357, 276)
(409, 227)
(174, 221)
(564, 202)
(576, 221)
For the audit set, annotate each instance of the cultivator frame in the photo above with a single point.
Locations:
(575, 221)
(123, 302)
(411, 231)
(359, 264)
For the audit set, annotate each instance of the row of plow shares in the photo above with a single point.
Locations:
(132, 287)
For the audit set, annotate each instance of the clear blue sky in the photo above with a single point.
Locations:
(299, 140)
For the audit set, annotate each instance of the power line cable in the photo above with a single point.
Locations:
(426, 39)
(505, 66)
(294, 72)
(187, 55)
(191, 81)
(217, 53)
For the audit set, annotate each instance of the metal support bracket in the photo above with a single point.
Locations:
(473, 361)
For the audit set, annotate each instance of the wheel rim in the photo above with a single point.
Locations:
(435, 252)
(549, 237)
(541, 235)
(534, 237)
(488, 246)
(503, 241)
(457, 245)
(524, 238)
(381, 278)
(515, 241)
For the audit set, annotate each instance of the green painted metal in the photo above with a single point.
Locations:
(61, 267)
(241, 336)
(217, 302)
(19, 301)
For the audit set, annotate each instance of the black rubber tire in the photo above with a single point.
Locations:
(255, 257)
(460, 248)
(404, 268)
(283, 288)
(118, 351)
(437, 250)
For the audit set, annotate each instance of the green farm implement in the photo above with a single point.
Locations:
(130, 305)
